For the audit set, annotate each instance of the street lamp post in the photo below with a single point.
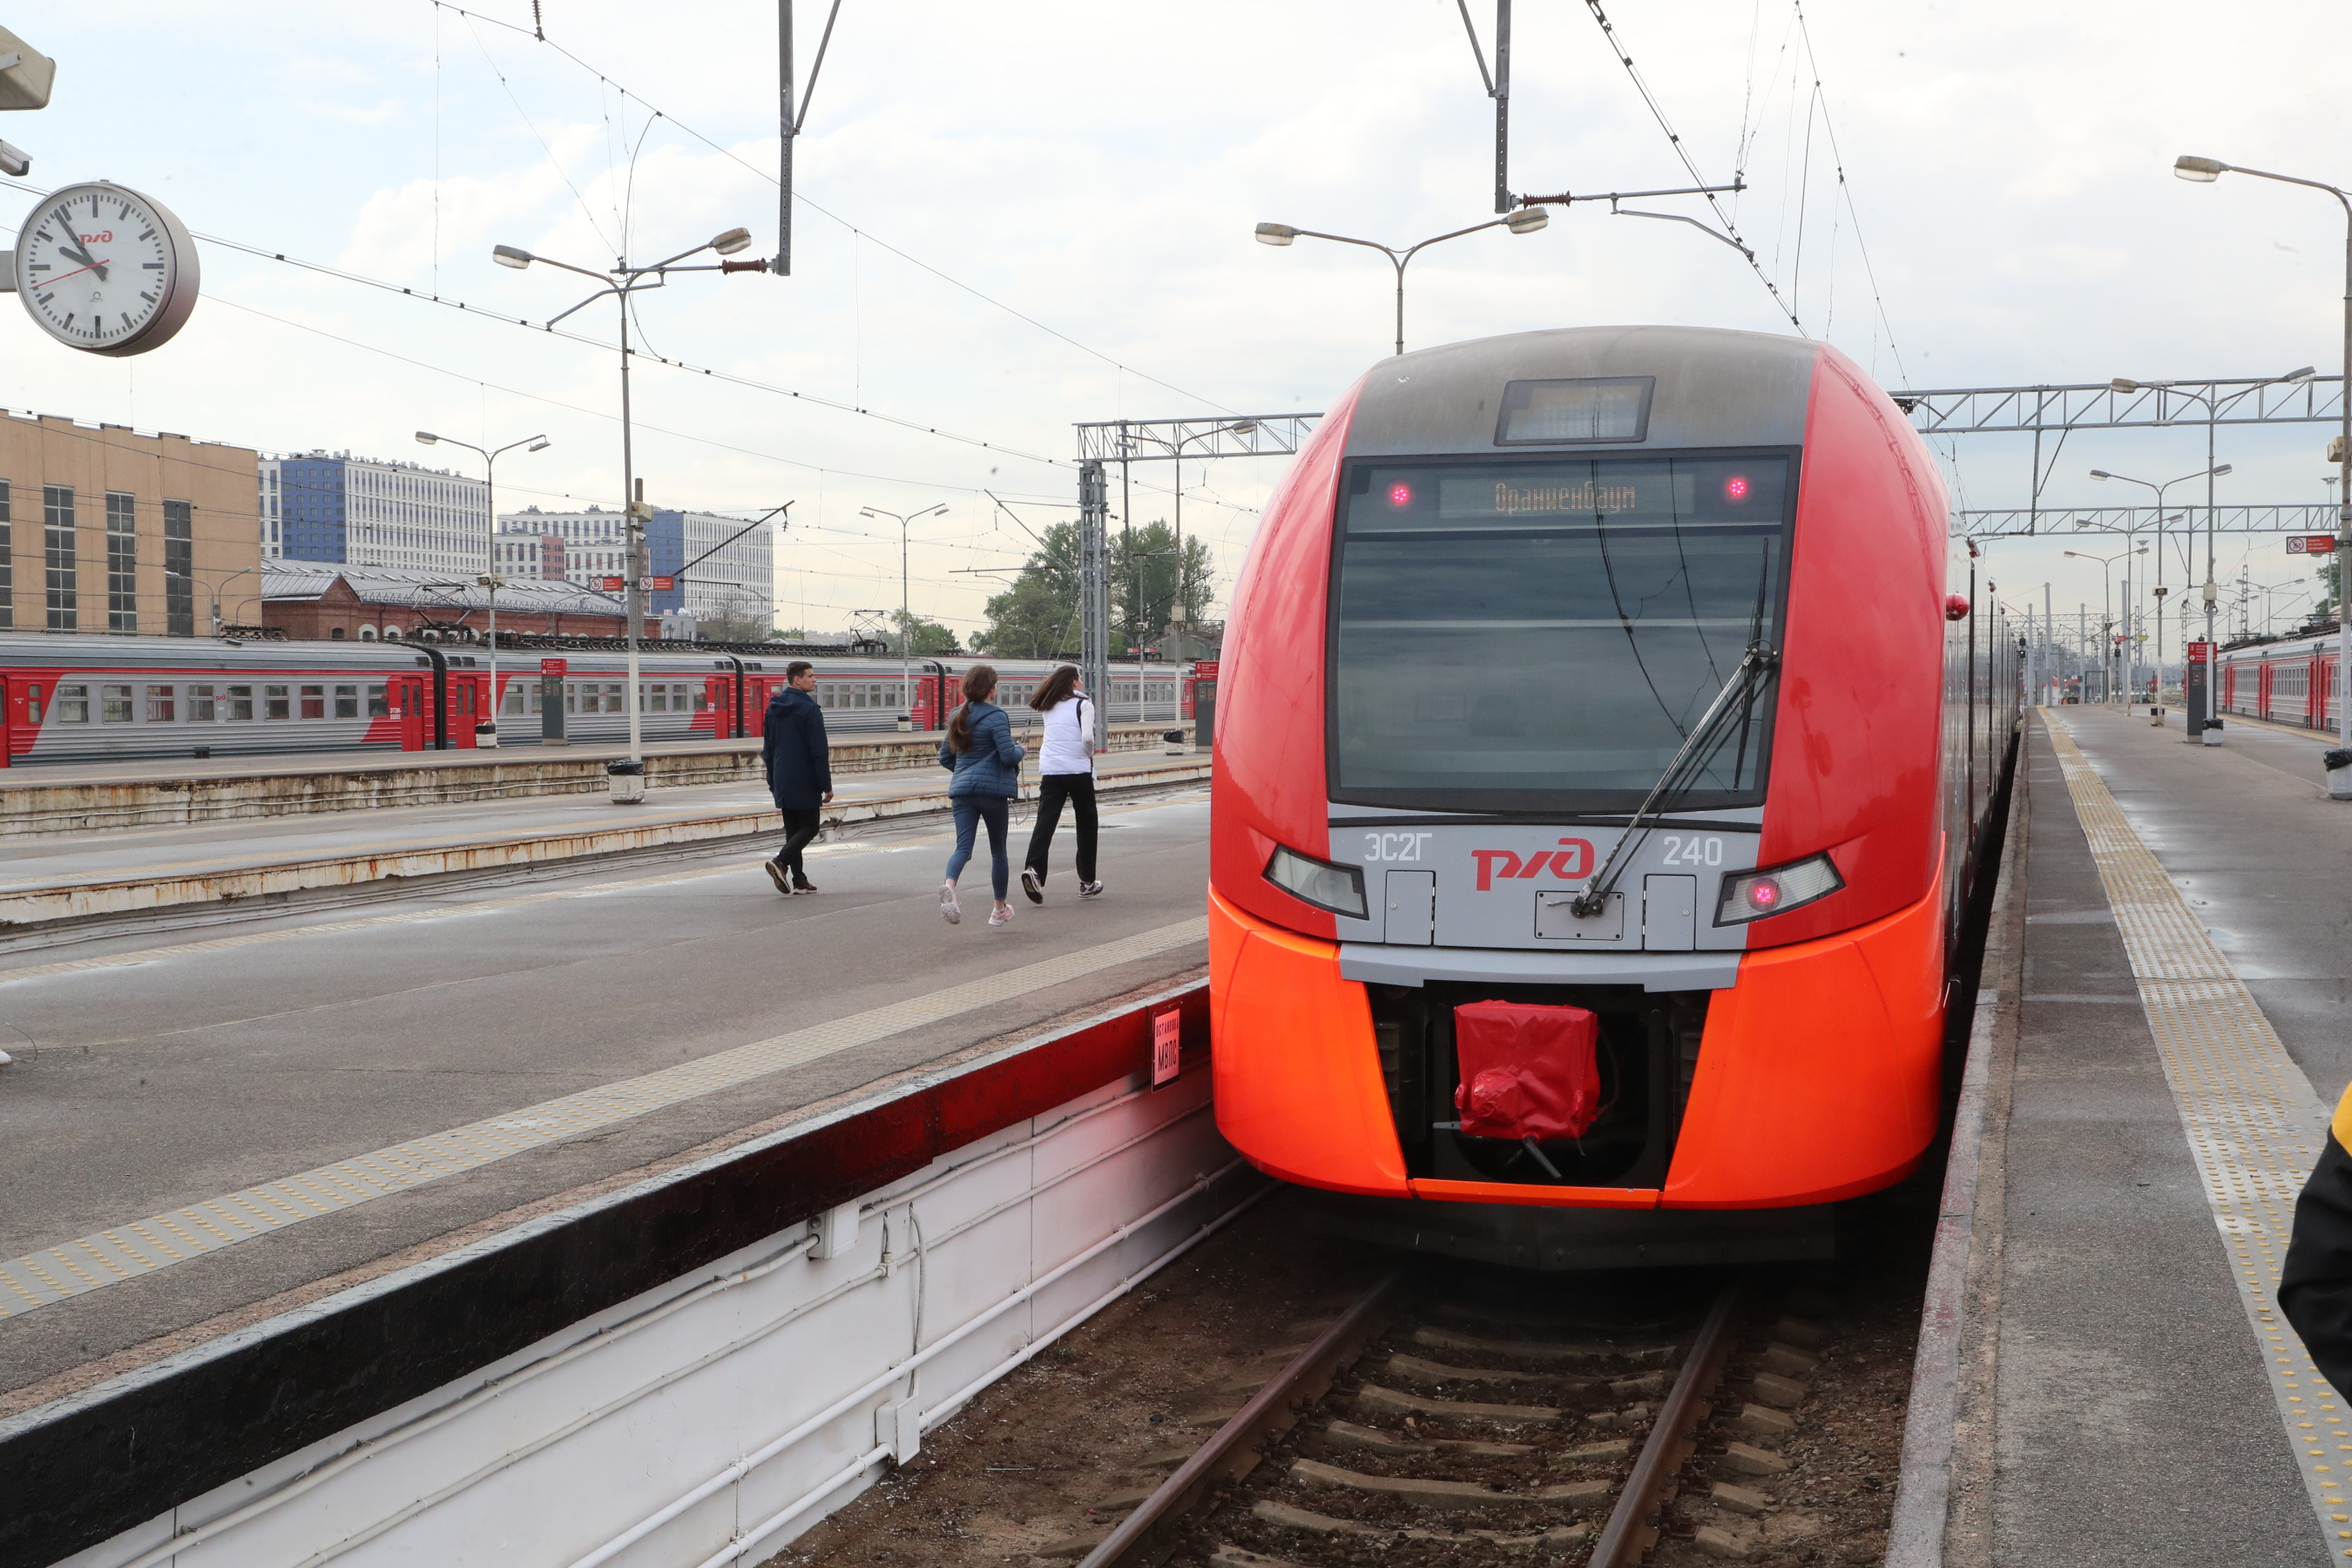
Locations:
(486, 731)
(217, 586)
(1527, 220)
(2213, 416)
(2106, 612)
(1178, 614)
(632, 281)
(906, 617)
(2208, 474)
(2205, 171)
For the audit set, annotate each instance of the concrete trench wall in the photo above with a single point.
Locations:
(366, 785)
(711, 1418)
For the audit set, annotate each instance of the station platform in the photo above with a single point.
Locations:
(204, 1134)
(54, 881)
(2164, 1005)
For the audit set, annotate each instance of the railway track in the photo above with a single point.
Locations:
(1432, 1426)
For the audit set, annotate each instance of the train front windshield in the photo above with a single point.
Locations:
(1543, 635)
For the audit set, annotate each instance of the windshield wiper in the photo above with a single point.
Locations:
(1738, 696)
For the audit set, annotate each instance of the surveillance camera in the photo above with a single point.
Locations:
(15, 162)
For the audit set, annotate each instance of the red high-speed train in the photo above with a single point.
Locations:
(1611, 673)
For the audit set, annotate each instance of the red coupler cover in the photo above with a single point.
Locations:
(1528, 1071)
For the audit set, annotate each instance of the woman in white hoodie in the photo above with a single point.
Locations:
(1065, 772)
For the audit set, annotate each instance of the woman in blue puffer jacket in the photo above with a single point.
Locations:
(981, 753)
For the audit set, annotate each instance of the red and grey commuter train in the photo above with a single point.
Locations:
(1602, 765)
(69, 699)
(2288, 681)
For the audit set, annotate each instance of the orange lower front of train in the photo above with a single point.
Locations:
(1817, 1077)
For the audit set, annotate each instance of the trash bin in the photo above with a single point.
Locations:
(486, 736)
(627, 781)
(2212, 732)
(906, 724)
(1177, 743)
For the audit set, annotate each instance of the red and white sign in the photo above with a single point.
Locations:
(554, 666)
(1205, 669)
(613, 585)
(1167, 1045)
(2311, 544)
(2200, 653)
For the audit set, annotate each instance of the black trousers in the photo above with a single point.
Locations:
(800, 827)
(1052, 789)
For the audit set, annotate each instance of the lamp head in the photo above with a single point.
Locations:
(426, 437)
(1275, 234)
(2124, 384)
(1241, 426)
(2218, 471)
(512, 256)
(2300, 376)
(1527, 220)
(2203, 171)
(2101, 474)
(733, 240)
(540, 445)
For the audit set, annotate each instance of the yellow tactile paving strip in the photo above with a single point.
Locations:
(2254, 1126)
(142, 1247)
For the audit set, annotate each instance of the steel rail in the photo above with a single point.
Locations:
(1633, 1523)
(1147, 1536)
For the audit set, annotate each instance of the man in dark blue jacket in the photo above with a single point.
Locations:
(800, 771)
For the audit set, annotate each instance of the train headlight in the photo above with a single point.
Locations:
(1752, 895)
(1339, 889)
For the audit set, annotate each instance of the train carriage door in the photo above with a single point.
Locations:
(6, 739)
(408, 706)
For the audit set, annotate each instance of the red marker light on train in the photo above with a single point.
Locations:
(1763, 893)
(1400, 495)
(1736, 488)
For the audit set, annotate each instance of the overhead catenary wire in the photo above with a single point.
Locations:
(1690, 165)
(866, 235)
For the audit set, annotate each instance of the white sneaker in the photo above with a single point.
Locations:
(948, 905)
(1089, 889)
(1033, 884)
(1001, 915)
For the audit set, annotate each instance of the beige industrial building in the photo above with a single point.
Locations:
(103, 528)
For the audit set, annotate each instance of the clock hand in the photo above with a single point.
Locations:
(97, 266)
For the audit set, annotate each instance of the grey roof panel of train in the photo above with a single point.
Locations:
(1712, 388)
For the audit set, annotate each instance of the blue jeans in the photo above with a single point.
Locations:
(970, 811)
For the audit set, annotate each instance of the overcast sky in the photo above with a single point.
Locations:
(1015, 218)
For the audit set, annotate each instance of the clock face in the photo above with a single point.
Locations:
(105, 270)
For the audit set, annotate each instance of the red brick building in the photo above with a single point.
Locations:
(320, 601)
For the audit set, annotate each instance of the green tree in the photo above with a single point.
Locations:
(1037, 616)
(928, 637)
(1143, 582)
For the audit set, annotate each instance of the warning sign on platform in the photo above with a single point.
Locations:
(2200, 653)
(612, 585)
(554, 666)
(2311, 544)
(1205, 669)
(1167, 1045)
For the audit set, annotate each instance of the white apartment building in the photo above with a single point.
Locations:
(736, 583)
(333, 506)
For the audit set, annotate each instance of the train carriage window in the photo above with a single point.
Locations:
(347, 701)
(114, 704)
(32, 704)
(276, 703)
(571, 697)
(657, 698)
(701, 700)
(199, 704)
(73, 704)
(161, 707)
(379, 706)
(240, 704)
(1543, 634)
(314, 702)
(514, 697)
(615, 697)
(679, 702)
